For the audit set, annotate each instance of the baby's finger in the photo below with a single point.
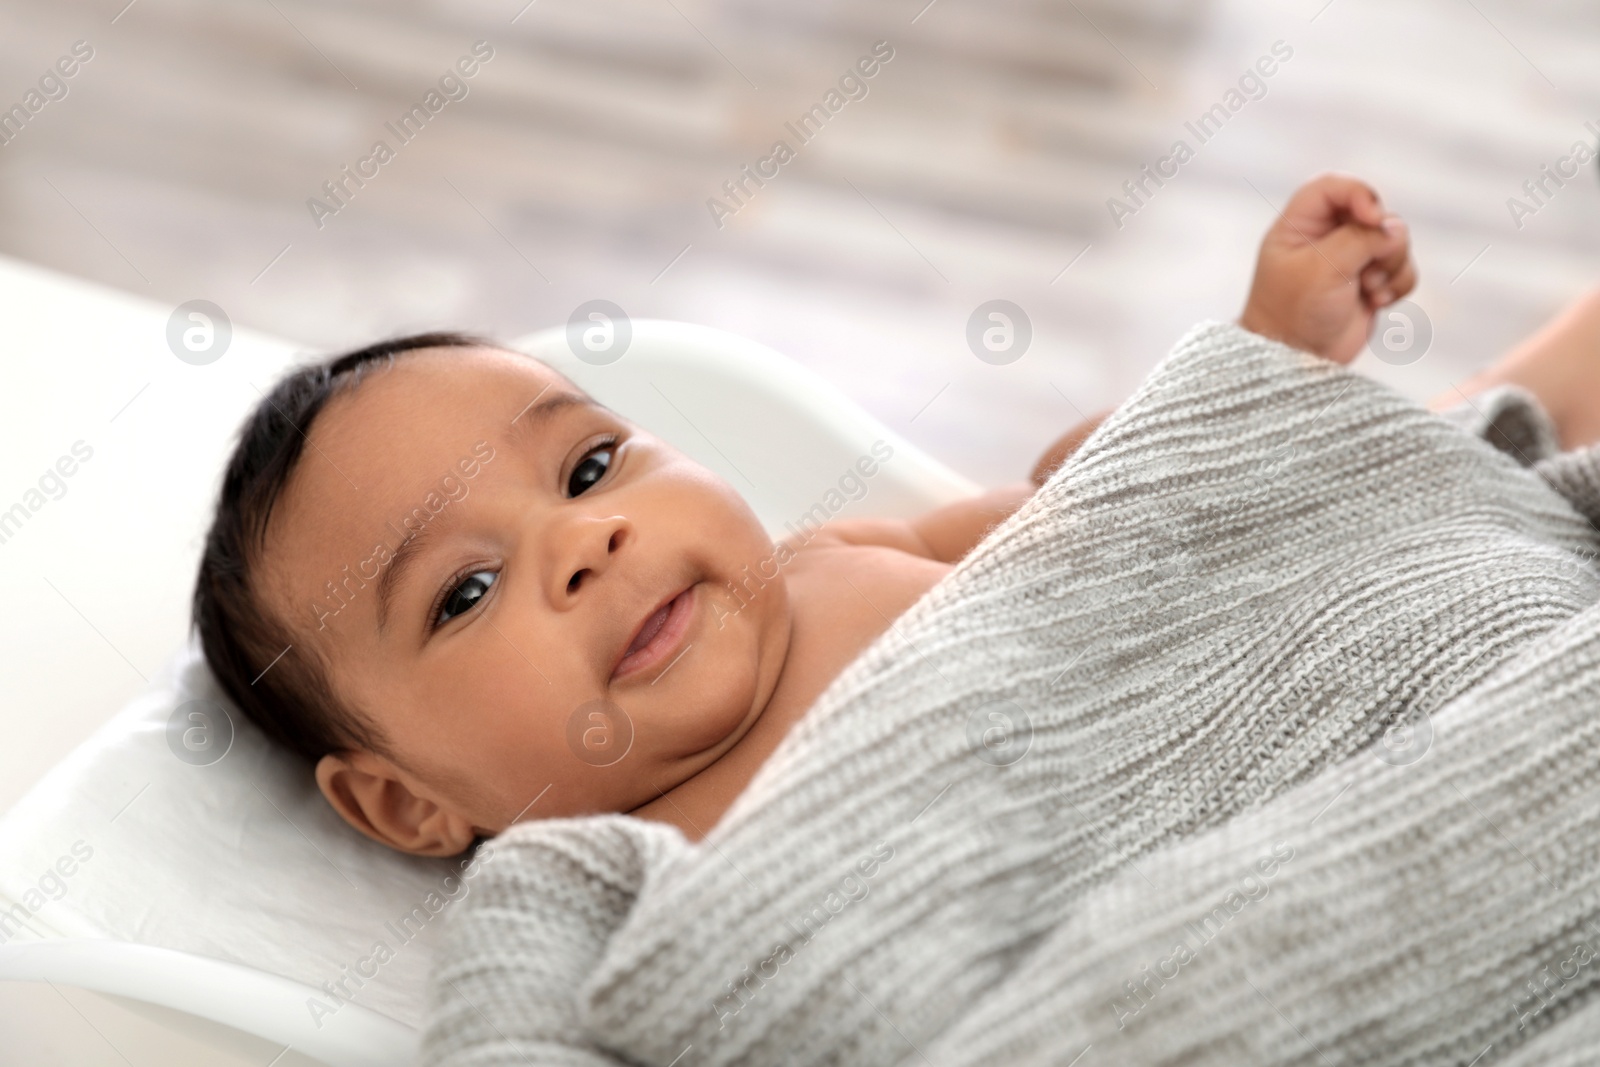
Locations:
(1403, 281)
(1353, 249)
(1398, 248)
(1329, 200)
(1392, 290)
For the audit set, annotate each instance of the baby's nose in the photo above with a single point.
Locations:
(594, 554)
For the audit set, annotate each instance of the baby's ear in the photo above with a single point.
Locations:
(368, 792)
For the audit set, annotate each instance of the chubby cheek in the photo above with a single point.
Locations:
(497, 728)
(574, 756)
(741, 629)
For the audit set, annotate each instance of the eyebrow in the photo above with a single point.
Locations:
(538, 412)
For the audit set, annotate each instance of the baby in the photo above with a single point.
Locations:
(436, 562)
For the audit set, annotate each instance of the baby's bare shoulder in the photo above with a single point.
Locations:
(865, 563)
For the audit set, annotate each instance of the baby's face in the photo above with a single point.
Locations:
(495, 648)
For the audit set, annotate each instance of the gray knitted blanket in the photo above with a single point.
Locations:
(1261, 734)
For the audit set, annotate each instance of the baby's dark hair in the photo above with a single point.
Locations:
(279, 684)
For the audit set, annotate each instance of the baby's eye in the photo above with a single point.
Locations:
(590, 469)
(466, 593)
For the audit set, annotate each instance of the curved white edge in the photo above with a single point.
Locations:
(766, 369)
(254, 1002)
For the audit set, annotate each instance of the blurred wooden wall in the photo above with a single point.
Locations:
(977, 167)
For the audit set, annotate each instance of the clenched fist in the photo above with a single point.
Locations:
(1327, 266)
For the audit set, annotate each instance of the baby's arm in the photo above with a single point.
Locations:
(945, 534)
(1560, 364)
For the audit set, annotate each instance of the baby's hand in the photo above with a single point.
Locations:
(1327, 266)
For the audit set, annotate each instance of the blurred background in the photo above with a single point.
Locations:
(980, 164)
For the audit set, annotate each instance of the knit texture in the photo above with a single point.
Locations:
(1259, 566)
(1420, 913)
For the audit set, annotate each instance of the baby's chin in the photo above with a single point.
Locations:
(716, 706)
(702, 730)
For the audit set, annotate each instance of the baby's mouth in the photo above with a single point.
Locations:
(658, 636)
